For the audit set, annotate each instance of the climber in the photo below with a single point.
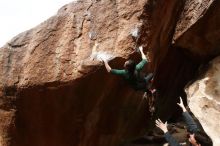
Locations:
(132, 73)
(196, 137)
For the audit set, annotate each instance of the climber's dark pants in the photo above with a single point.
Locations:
(148, 80)
(148, 90)
(148, 77)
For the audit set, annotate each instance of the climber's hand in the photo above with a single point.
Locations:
(140, 49)
(161, 125)
(102, 59)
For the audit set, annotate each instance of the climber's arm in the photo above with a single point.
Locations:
(113, 71)
(107, 66)
(140, 65)
(118, 72)
(143, 56)
(144, 61)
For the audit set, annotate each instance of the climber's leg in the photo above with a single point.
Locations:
(148, 77)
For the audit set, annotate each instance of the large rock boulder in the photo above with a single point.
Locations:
(204, 100)
(55, 91)
(201, 40)
(59, 48)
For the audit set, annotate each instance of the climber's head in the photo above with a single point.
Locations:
(200, 138)
(130, 65)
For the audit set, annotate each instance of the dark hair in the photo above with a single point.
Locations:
(130, 66)
(202, 138)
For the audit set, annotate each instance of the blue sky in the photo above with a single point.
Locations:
(19, 15)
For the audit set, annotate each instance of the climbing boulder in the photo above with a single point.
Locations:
(53, 87)
(204, 100)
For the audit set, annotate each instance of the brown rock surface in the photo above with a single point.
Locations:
(193, 10)
(59, 48)
(54, 91)
(202, 40)
(52, 87)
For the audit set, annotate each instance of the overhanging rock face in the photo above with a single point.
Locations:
(192, 12)
(54, 90)
(59, 48)
(201, 40)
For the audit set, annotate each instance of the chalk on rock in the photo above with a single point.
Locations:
(92, 35)
(135, 32)
(101, 56)
(75, 1)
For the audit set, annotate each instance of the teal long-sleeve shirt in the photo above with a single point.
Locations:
(125, 73)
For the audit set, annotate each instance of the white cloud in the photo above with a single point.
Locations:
(19, 15)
